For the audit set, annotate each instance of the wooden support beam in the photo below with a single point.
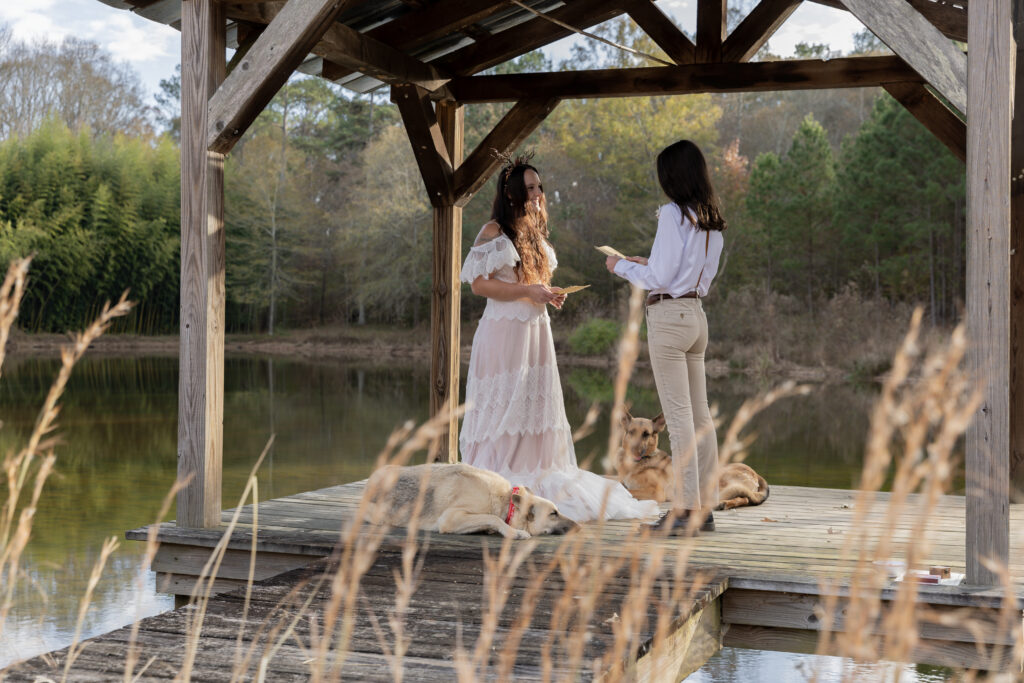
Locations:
(404, 33)
(949, 16)
(710, 30)
(507, 135)
(919, 43)
(528, 36)
(201, 359)
(990, 93)
(934, 114)
(357, 52)
(421, 125)
(445, 301)
(1017, 266)
(852, 72)
(276, 53)
(685, 649)
(663, 31)
(756, 28)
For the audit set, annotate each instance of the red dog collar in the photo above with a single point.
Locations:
(511, 505)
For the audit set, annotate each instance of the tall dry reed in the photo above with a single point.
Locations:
(925, 404)
(27, 469)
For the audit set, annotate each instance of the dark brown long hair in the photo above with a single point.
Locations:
(683, 174)
(524, 225)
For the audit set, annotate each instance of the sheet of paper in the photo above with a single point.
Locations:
(609, 251)
(571, 290)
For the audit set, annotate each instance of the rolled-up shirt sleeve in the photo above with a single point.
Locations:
(663, 263)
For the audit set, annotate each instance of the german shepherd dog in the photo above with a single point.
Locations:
(646, 470)
(461, 499)
(641, 466)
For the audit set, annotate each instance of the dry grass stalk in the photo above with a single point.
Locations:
(38, 453)
(109, 546)
(152, 545)
(204, 585)
(925, 405)
(358, 548)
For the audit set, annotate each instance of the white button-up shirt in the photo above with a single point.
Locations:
(678, 262)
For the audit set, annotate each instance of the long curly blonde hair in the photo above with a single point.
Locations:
(525, 225)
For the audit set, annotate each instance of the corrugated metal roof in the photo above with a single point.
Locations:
(363, 17)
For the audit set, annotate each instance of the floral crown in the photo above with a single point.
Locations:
(509, 163)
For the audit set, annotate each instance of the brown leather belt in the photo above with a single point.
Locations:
(655, 298)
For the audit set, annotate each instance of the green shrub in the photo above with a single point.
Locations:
(594, 337)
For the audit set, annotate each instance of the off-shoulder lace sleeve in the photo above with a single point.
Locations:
(488, 258)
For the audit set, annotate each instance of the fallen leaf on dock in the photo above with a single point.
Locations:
(614, 618)
(769, 519)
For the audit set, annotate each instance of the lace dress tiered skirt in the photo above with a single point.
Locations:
(515, 423)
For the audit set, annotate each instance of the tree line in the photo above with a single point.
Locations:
(826, 193)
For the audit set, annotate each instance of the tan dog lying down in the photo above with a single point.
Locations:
(646, 470)
(461, 499)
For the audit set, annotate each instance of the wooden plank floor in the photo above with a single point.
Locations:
(796, 535)
(449, 608)
(791, 543)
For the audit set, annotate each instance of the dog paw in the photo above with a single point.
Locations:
(520, 534)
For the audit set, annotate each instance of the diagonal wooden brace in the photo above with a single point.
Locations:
(427, 141)
(508, 134)
(266, 67)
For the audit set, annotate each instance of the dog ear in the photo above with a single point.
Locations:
(626, 418)
(517, 499)
(526, 489)
(659, 423)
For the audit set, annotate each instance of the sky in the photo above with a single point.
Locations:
(153, 49)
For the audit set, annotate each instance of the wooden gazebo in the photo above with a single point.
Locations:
(428, 52)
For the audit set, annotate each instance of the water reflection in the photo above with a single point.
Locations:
(735, 665)
(118, 458)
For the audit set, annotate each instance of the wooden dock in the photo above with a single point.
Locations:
(758, 581)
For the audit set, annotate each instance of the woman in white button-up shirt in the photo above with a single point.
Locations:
(679, 271)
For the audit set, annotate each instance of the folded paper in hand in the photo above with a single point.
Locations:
(571, 290)
(609, 251)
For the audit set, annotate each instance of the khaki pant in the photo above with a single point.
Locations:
(677, 337)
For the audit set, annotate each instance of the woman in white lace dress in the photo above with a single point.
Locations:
(515, 423)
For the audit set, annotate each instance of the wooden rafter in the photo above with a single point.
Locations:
(428, 143)
(710, 30)
(507, 135)
(814, 74)
(276, 53)
(949, 18)
(353, 50)
(436, 21)
(933, 113)
(756, 28)
(528, 36)
(662, 31)
(919, 43)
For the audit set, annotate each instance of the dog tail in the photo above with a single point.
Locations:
(762, 486)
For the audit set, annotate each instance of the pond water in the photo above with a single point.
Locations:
(117, 460)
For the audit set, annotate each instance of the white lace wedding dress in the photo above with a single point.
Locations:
(515, 422)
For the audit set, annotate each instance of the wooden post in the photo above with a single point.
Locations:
(989, 100)
(445, 318)
(201, 363)
(1017, 261)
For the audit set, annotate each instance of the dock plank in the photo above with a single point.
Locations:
(793, 544)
